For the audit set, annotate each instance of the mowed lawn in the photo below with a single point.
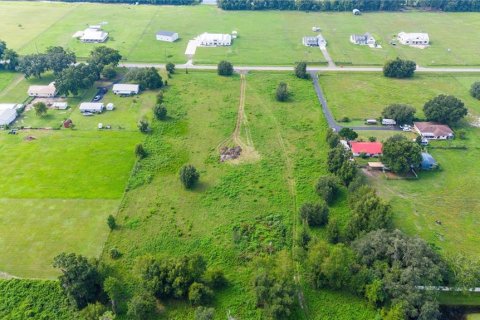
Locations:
(265, 37)
(166, 220)
(362, 96)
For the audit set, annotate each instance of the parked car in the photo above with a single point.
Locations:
(13, 131)
(97, 98)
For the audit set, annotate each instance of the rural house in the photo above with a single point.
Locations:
(125, 89)
(92, 107)
(431, 130)
(168, 36)
(214, 39)
(363, 39)
(413, 39)
(370, 149)
(93, 34)
(42, 91)
(314, 41)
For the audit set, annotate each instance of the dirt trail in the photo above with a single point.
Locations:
(241, 126)
(11, 85)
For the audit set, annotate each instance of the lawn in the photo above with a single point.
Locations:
(56, 193)
(265, 37)
(362, 96)
(166, 220)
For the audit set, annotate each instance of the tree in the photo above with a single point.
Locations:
(301, 70)
(74, 78)
(336, 158)
(160, 97)
(3, 47)
(33, 65)
(348, 134)
(400, 154)
(40, 109)
(332, 138)
(445, 109)
(189, 176)
(399, 68)
(203, 313)
(374, 293)
(93, 311)
(333, 231)
(59, 59)
(102, 56)
(327, 188)
(160, 111)
(282, 93)
(275, 294)
(199, 294)
(140, 151)
(347, 172)
(143, 126)
(80, 279)
(314, 214)
(147, 78)
(225, 68)
(170, 67)
(109, 72)
(142, 306)
(112, 224)
(113, 288)
(475, 90)
(10, 59)
(401, 113)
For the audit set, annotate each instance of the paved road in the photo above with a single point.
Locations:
(328, 114)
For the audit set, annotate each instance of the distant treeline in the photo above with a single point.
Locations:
(347, 5)
(154, 2)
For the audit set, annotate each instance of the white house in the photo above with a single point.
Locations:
(413, 39)
(168, 36)
(125, 89)
(8, 113)
(42, 91)
(60, 105)
(93, 34)
(431, 130)
(92, 107)
(389, 122)
(363, 39)
(214, 39)
(315, 41)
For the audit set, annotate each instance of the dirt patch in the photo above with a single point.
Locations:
(30, 138)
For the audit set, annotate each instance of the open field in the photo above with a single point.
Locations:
(166, 220)
(265, 38)
(364, 95)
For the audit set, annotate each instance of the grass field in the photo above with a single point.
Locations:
(364, 95)
(166, 220)
(265, 38)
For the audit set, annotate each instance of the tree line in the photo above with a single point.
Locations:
(152, 2)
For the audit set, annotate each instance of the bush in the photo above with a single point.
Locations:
(475, 90)
(141, 306)
(199, 294)
(333, 231)
(372, 139)
(282, 93)
(332, 138)
(301, 70)
(225, 68)
(170, 67)
(160, 112)
(399, 68)
(215, 278)
(461, 134)
(140, 151)
(203, 313)
(327, 188)
(109, 72)
(115, 254)
(344, 119)
(160, 97)
(348, 134)
(143, 126)
(314, 214)
(189, 176)
(112, 224)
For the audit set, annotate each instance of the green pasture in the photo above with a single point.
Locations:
(361, 96)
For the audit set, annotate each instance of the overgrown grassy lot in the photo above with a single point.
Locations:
(363, 96)
(265, 38)
(160, 218)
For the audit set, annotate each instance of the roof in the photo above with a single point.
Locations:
(166, 33)
(91, 106)
(428, 160)
(414, 36)
(8, 106)
(214, 36)
(366, 147)
(435, 128)
(91, 34)
(376, 165)
(7, 116)
(60, 104)
(47, 90)
(125, 87)
(361, 37)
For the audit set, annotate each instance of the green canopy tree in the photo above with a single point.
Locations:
(225, 68)
(401, 113)
(189, 176)
(59, 59)
(40, 109)
(400, 154)
(33, 65)
(445, 109)
(301, 70)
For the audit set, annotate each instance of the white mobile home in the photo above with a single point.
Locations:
(92, 107)
(389, 122)
(214, 39)
(42, 91)
(125, 89)
(168, 36)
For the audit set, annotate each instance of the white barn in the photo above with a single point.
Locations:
(125, 89)
(214, 39)
(92, 107)
(42, 91)
(168, 36)
(93, 34)
(413, 39)
(8, 113)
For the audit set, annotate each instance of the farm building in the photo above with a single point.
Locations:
(8, 113)
(42, 91)
(435, 131)
(60, 105)
(125, 89)
(370, 149)
(419, 39)
(92, 107)
(363, 39)
(93, 34)
(214, 39)
(168, 36)
(315, 41)
(428, 162)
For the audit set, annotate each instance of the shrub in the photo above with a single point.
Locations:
(109, 72)
(160, 112)
(203, 313)
(215, 278)
(141, 306)
(399, 68)
(314, 214)
(140, 151)
(189, 176)
(143, 126)
(112, 224)
(301, 70)
(282, 93)
(170, 67)
(372, 139)
(327, 188)
(475, 90)
(333, 231)
(461, 134)
(225, 68)
(160, 97)
(344, 119)
(348, 134)
(115, 254)
(199, 294)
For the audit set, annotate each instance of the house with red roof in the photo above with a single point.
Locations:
(370, 149)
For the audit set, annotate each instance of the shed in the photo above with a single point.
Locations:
(67, 123)
(60, 105)
(168, 36)
(428, 162)
(110, 107)
(92, 107)
(125, 89)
